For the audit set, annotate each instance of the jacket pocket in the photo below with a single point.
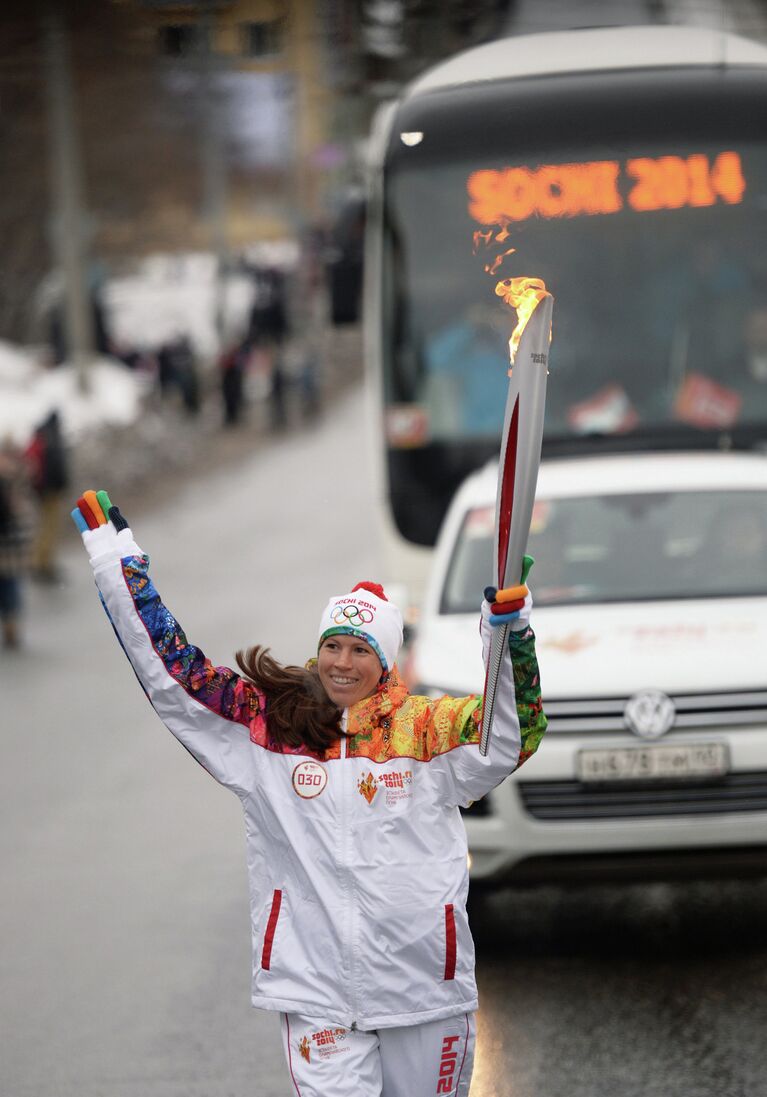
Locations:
(271, 926)
(450, 942)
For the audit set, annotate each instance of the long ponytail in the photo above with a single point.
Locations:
(298, 710)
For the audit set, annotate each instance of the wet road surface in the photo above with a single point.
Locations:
(642, 991)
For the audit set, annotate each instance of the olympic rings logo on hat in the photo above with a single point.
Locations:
(352, 615)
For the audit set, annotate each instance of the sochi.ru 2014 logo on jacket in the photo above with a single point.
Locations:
(368, 787)
(397, 785)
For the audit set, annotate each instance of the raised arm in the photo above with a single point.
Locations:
(464, 775)
(211, 710)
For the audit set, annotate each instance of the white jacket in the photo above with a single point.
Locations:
(357, 860)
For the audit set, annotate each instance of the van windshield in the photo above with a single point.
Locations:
(615, 548)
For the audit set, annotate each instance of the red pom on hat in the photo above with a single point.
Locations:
(374, 588)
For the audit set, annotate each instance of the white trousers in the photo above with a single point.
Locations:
(428, 1060)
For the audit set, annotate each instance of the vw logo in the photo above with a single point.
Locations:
(649, 714)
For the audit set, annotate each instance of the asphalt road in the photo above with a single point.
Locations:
(641, 991)
(124, 936)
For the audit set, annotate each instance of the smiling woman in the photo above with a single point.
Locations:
(360, 635)
(349, 669)
(351, 790)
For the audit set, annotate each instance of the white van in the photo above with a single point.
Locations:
(650, 612)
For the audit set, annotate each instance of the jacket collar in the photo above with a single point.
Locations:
(388, 697)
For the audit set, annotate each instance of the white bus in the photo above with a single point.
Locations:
(628, 169)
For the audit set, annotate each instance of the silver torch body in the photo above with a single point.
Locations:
(517, 479)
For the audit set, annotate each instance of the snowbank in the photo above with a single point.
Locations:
(174, 295)
(28, 393)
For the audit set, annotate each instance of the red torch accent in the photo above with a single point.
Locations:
(507, 494)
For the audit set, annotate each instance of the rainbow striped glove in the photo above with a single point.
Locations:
(105, 532)
(512, 605)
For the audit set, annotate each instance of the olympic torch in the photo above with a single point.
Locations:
(520, 456)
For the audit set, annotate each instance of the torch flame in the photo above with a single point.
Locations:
(524, 295)
(492, 268)
(482, 239)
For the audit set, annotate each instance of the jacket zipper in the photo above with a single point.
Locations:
(346, 869)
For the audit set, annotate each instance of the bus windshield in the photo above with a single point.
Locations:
(652, 245)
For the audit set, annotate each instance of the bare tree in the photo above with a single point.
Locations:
(136, 138)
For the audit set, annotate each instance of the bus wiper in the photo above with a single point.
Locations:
(669, 438)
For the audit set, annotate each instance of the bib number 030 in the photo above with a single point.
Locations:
(309, 779)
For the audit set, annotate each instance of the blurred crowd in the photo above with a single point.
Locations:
(275, 353)
(267, 375)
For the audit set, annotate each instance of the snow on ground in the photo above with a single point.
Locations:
(29, 392)
(173, 295)
(166, 296)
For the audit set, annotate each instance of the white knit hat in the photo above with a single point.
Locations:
(367, 613)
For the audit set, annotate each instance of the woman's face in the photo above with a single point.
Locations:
(349, 669)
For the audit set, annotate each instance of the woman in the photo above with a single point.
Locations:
(350, 788)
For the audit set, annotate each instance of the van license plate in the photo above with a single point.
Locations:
(653, 762)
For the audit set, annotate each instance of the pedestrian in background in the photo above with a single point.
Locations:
(16, 522)
(177, 370)
(232, 372)
(48, 463)
(351, 790)
(268, 328)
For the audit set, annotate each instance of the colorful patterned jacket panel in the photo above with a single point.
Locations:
(211, 710)
(220, 689)
(394, 723)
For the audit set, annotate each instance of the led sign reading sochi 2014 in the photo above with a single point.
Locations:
(605, 186)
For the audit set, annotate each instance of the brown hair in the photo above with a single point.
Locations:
(298, 710)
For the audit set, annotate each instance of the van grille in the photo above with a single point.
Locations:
(571, 800)
(697, 710)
